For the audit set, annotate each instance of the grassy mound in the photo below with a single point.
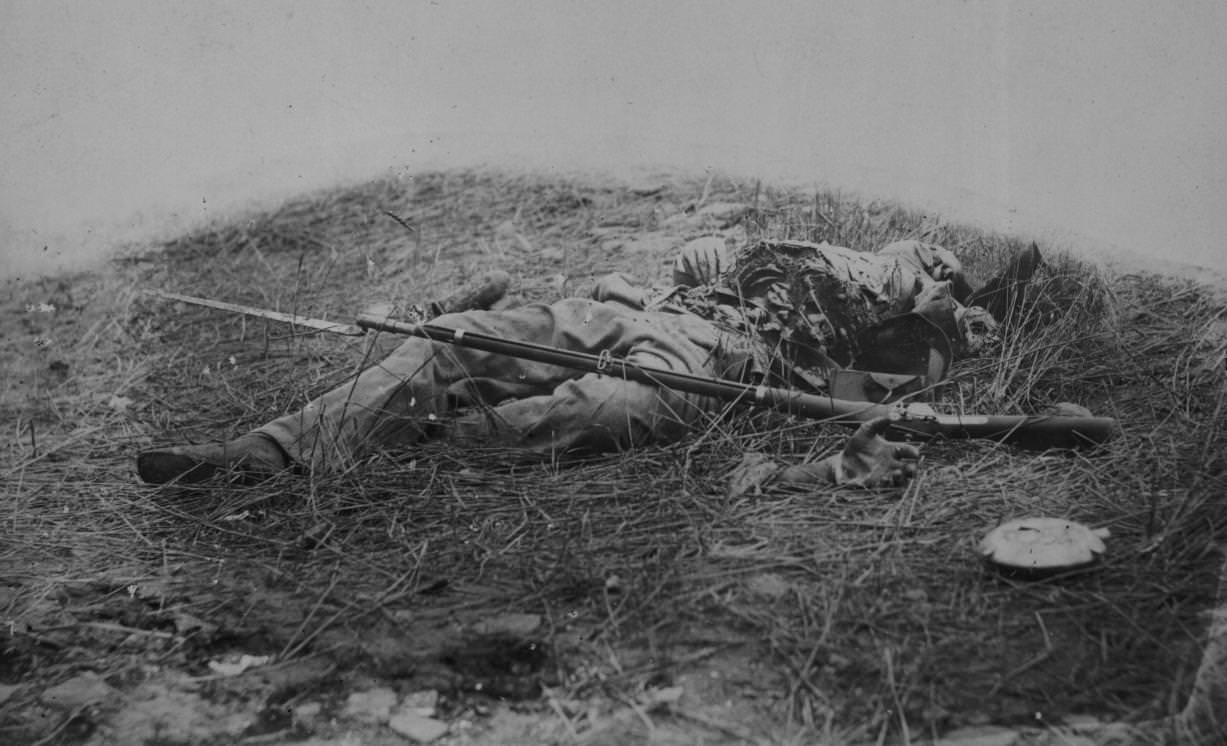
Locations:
(842, 614)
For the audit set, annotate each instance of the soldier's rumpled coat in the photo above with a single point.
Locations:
(817, 307)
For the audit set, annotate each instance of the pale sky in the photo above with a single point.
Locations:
(1092, 122)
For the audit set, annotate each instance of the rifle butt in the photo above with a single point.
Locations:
(1039, 433)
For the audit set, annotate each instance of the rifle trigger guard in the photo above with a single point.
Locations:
(604, 360)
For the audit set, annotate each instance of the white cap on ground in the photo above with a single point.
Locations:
(1043, 545)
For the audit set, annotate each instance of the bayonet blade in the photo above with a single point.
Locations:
(332, 327)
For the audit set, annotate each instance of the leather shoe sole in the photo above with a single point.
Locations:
(195, 464)
(171, 465)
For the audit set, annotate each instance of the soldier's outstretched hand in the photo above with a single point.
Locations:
(869, 460)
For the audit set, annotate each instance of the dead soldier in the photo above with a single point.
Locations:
(791, 313)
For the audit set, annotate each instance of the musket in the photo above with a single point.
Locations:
(910, 421)
(1035, 432)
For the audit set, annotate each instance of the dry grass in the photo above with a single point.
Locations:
(867, 611)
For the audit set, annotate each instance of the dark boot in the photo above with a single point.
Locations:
(1003, 295)
(251, 457)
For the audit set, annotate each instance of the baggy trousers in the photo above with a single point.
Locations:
(425, 388)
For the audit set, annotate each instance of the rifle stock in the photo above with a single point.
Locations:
(1040, 432)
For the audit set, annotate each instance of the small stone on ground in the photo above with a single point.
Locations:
(79, 691)
(417, 728)
(372, 705)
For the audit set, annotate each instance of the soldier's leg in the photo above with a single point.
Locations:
(601, 413)
(392, 403)
(399, 401)
(591, 414)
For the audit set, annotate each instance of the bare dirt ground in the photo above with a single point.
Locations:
(465, 597)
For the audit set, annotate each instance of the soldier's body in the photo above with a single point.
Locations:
(786, 311)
